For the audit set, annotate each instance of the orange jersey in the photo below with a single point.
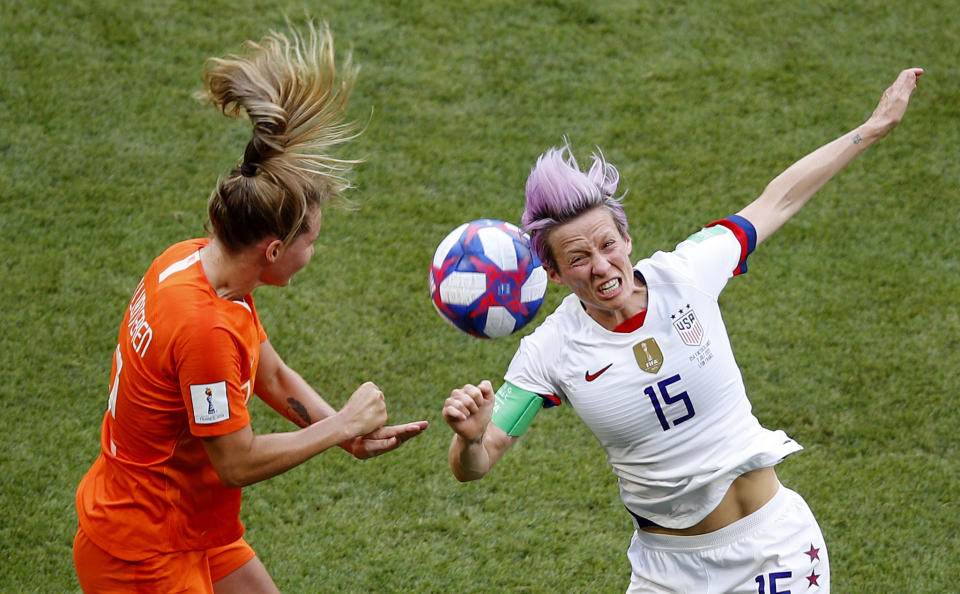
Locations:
(184, 368)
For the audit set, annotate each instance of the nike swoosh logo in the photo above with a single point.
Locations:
(592, 376)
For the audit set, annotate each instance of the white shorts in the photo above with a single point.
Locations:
(777, 549)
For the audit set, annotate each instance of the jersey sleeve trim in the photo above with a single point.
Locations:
(549, 400)
(745, 233)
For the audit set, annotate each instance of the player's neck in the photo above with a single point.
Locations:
(614, 319)
(229, 274)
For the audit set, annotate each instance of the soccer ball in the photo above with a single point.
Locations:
(485, 280)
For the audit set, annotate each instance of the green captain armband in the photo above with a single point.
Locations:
(515, 408)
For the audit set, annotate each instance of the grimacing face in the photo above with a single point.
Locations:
(593, 260)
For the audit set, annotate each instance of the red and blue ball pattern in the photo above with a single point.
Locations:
(485, 280)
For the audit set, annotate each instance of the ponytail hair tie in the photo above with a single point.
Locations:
(248, 169)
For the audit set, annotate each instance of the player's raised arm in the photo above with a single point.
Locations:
(477, 443)
(790, 191)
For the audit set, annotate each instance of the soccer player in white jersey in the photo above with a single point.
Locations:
(641, 354)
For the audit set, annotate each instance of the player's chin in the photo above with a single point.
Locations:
(280, 281)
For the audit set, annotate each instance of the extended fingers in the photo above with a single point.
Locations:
(375, 447)
(390, 438)
(402, 432)
(368, 448)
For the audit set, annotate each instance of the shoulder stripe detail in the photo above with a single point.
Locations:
(745, 233)
(179, 266)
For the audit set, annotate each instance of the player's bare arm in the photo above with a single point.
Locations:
(242, 458)
(289, 394)
(284, 390)
(383, 440)
(477, 443)
(791, 190)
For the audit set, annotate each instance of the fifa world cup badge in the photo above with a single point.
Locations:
(648, 354)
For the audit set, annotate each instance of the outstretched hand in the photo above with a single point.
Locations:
(893, 103)
(383, 440)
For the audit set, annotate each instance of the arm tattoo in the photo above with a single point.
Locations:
(297, 408)
(857, 139)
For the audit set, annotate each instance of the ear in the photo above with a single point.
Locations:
(273, 250)
(553, 275)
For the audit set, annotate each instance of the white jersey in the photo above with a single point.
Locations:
(665, 400)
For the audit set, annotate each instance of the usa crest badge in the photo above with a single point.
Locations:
(688, 326)
(649, 356)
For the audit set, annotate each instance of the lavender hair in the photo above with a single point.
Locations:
(558, 192)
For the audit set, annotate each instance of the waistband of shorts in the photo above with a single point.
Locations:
(728, 534)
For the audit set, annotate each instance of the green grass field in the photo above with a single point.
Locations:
(846, 328)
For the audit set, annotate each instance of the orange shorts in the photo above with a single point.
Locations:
(184, 571)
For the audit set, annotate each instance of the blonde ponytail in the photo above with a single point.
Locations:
(289, 89)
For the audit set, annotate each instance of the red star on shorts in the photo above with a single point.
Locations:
(813, 553)
(812, 579)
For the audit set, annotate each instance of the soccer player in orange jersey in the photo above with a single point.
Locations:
(159, 508)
